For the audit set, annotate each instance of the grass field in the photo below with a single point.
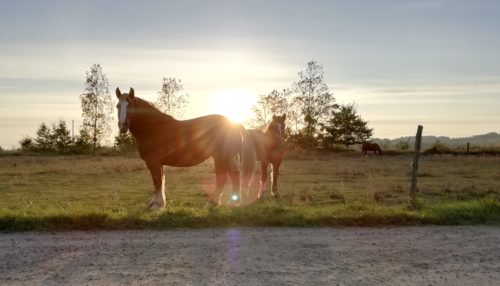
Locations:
(111, 192)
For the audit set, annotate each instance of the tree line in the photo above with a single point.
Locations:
(314, 118)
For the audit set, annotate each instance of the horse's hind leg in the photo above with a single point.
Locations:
(263, 179)
(158, 175)
(235, 180)
(221, 170)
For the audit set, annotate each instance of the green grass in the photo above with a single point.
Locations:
(79, 192)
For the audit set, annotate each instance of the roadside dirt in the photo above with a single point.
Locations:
(430, 255)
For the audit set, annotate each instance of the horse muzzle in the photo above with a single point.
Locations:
(124, 128)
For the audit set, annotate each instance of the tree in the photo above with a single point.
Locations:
(97, 106)
(403, 145)
(27, 144)
(44, 141)
(61, 136)
(346, 127)
(83, 142)
(314, 98)
(294, 115)
(170, 101)
(55, 139)
(124, 142)
(270, 104)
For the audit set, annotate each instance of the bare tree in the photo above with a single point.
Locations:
(97, 106)
(273, 103)
(314, 98)
(294, 115)
(170, 100)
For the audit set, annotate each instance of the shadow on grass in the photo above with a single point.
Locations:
(267, 214)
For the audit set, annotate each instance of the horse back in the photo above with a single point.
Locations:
(189, 142)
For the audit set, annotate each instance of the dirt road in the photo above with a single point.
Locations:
(255, 256)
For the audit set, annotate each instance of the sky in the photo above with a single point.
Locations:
(403, 63)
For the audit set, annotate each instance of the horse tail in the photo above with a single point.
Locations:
(248, 157)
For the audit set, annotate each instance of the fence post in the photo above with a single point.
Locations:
(414, 165)
(468, 145)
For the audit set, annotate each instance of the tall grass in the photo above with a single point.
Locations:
(79, 192)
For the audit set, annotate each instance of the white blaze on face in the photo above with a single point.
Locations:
(281, 128)
(122, 113)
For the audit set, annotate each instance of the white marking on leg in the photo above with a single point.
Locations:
(163, 197)
(272, 177)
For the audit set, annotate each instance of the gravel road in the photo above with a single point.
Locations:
(429, 255)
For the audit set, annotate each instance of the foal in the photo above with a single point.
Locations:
(270, 148)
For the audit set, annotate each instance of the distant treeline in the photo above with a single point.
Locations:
(483, 140)
(57, 139)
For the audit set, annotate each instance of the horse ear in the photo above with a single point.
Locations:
(284, 116)
(274, 117)
(131, 93)
(118, 93)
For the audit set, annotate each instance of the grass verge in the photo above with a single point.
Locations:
(269, 213)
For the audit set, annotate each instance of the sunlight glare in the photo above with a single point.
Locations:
(236, 104)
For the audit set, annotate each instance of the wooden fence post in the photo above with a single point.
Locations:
(414, 165)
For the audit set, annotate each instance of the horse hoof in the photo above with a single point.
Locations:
(151, 205)
(155, 207)
(211, 204)
(275, 195)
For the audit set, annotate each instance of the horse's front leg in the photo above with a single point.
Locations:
(276, 170)
(157, 173)
(263, 179)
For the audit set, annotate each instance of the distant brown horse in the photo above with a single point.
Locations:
(163, 140)
(372, 147)
(270, 147)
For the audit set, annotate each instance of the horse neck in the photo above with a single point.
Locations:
(148, 120)
(273, 136)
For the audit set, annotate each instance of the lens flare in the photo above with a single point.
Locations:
(234, 197)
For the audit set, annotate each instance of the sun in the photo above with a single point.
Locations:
(235, 104)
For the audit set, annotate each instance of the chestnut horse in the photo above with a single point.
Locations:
(270, 148)
(367, 146)
(164, 141)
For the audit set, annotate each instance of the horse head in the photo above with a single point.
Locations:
(276, 131)
(126, 100)
(278, 125)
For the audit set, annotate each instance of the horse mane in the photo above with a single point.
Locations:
(141, 103)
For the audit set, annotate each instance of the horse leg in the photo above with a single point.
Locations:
(263, 179)
(235, 180)
(158, 175)
(276, 170)
(220, 181)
